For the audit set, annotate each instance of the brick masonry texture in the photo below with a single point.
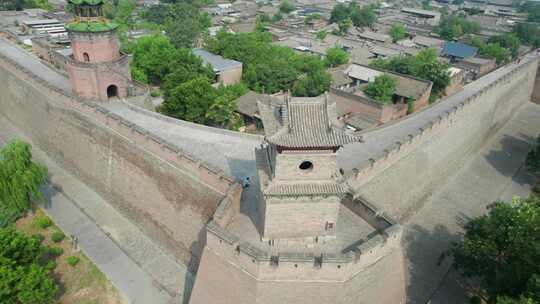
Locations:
(170, 195)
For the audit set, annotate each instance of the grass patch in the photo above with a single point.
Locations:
(73, 260)
(42, 222)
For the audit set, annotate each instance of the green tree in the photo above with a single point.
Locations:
(23, 277)
(528, 33)
(152, 56)
(424, 65)
(321, 34)
(185, 66)
(20, 179)
(185, 23)
(189, 100)
(313, 84)
(454, 26)
(494, 50)
(336, 56)
(382, 89)
(222, 113)
(501, 249)
(286, 7)
(344, 27)
(397, 32)
(277, 17)
(339, 13)
(508, 41)
(362, 16)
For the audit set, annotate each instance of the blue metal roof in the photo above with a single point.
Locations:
(457, 49)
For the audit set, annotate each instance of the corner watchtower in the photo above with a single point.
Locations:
(97, 69)
(300, 189)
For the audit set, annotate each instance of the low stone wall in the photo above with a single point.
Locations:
(170, 194)
(400, 178)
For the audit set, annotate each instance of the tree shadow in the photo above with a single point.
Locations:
(428, 267)
(511, 157)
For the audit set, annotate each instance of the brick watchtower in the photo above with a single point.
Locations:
(97, 69)
(302, 196)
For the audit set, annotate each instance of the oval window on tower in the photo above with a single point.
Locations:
(306, 165)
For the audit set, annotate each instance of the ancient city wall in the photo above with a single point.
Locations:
(403, 175)
(168, 193)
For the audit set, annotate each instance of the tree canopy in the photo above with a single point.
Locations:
(502, 48)
(381, 89)
(20, 179)
(336, 56)
(269, 68)
(501, 248)
(152, 58)
(24, 277)
(397, 32)
(286, 7)
(424, 66)
(185, 23)
(360, 16)
(454, 26)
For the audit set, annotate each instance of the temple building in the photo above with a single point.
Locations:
(97, 69)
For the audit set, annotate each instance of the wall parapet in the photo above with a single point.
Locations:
(338, 267)
(209, 175)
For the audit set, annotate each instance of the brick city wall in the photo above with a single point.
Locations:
(171, 195)
(414, 166)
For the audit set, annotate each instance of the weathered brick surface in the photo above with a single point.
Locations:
(169, 202)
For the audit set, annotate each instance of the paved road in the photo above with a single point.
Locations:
(494, 173)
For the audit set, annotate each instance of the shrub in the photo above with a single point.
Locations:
(56, 251)
(57, 236)
(42, 222)
(155, 93)
(73, 260)
(51, 265)
(39, 237)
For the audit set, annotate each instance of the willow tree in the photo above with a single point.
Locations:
(20, 179)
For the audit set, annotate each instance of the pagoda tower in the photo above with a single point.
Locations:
(302, 195)
(97, 69)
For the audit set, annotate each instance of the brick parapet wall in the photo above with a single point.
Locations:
(213, 177)
(301, 266)
(387, 157)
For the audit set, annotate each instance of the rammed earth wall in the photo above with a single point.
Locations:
(169, 194)
(400, 178)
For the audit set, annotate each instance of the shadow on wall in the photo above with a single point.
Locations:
(505, 163)
(428, 271)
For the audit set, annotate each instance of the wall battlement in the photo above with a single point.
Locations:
(263, 266)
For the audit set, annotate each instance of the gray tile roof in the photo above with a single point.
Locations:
(307, 125)
(218, 63)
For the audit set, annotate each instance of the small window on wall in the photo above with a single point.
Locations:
(306, 165)
(329, 225)
(86, 57)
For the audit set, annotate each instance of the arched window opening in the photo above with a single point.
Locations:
(112, 91)
(306, 165)
(86, 57)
